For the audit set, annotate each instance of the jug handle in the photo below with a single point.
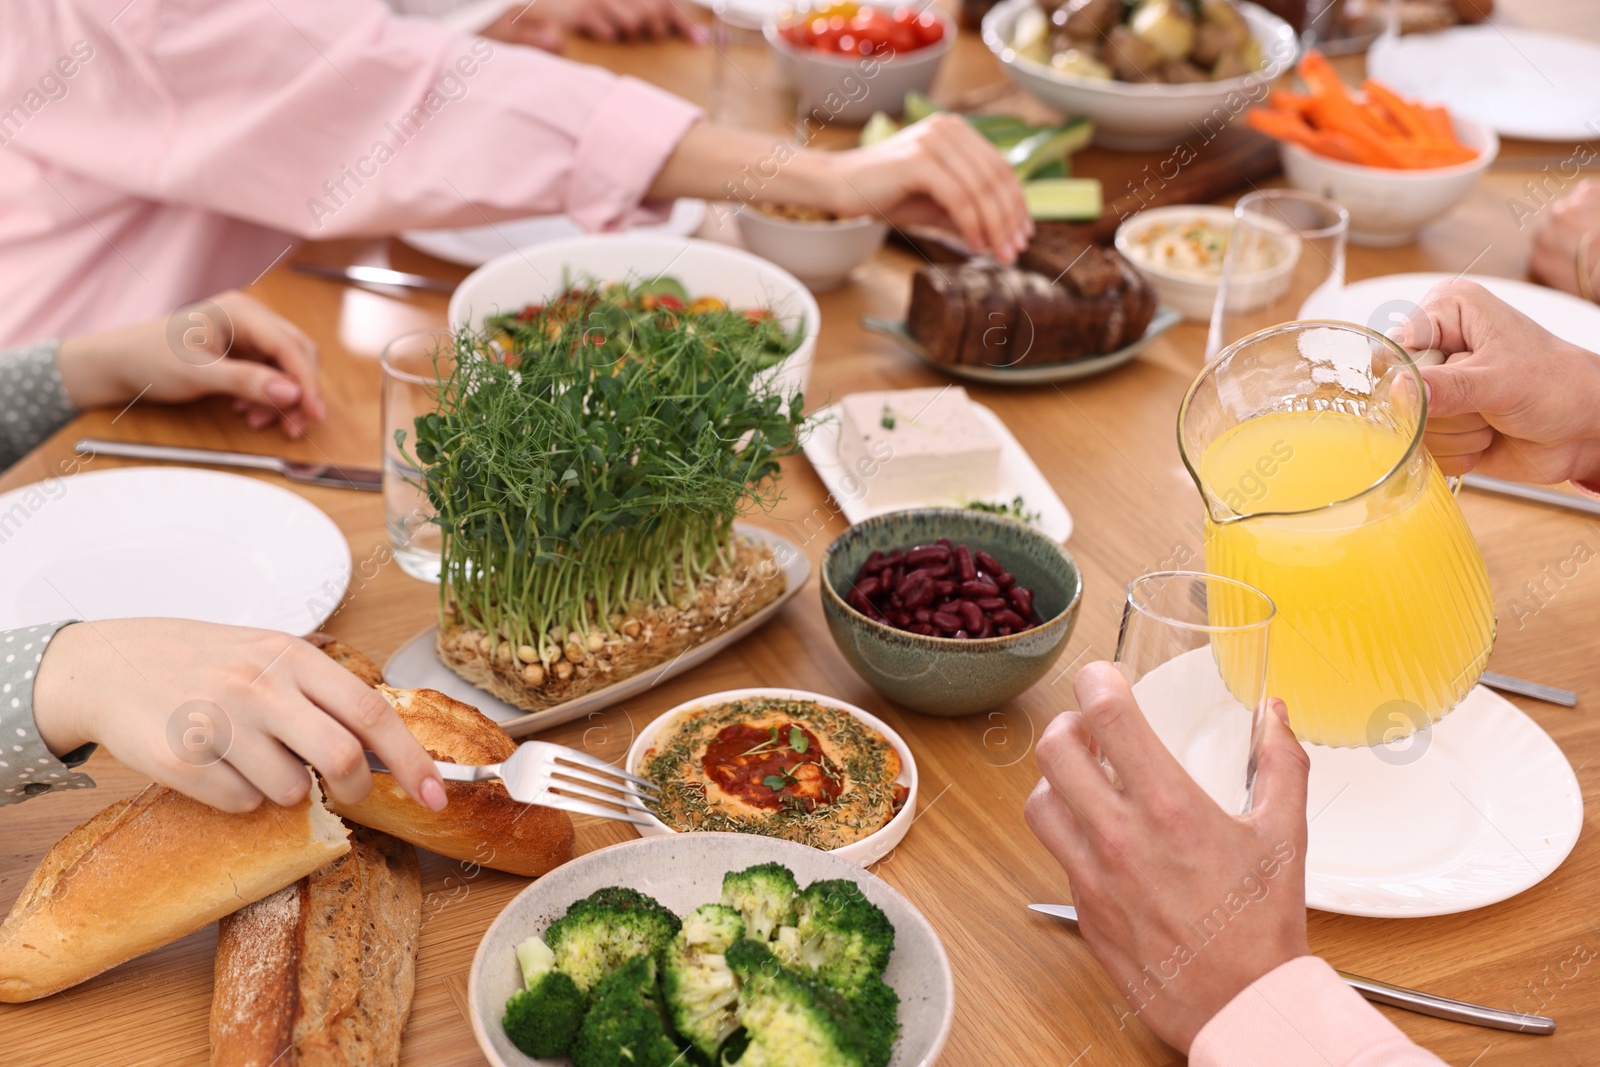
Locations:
(1432, 357)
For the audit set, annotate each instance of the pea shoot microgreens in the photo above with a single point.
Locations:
(595, 452)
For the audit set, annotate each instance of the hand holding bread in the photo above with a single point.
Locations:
(223, 713)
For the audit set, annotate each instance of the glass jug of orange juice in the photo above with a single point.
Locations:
(1305, 441)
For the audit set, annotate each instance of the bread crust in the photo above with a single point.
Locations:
(352, 660)
(481, 823)
(149, 870)
(323, 973)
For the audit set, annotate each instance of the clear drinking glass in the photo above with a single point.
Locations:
(749, 87)
(1183, 633)
(412, 366)
(1285, 246)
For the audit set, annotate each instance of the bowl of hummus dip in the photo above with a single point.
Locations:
(1182, 249)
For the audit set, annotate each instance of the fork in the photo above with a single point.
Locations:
(538, 767)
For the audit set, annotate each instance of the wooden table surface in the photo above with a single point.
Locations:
(1028, 992)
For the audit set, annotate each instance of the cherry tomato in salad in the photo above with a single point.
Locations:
(849, 29)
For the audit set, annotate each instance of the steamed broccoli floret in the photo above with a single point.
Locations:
(845, 939)
(543, 1017)
(606, 929)
(790, 1020)
(624, 1028)
(764, 895)
(877, 1008)
(786, 946)
(700, 989)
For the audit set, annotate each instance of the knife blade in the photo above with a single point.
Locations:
(361, 274)
(1395, 996)
(1536, 494)
(365, 478)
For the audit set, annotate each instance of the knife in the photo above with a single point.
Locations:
(359, 274)
(296, 471)
(1396, 996)
(1572, 502)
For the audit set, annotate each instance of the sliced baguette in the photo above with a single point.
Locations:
(322, 973)
(481, 824)
(146, 871)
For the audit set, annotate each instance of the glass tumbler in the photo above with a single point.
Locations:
(413, 366)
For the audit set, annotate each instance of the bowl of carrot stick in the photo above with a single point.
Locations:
(1395, 164)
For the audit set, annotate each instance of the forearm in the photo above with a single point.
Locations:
(711, 163)
(36, 756)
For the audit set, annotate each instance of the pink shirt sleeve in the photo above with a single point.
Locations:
(331, 119)
(1301, 1013)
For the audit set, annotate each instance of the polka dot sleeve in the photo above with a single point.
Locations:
(33, 403)
(27, 769)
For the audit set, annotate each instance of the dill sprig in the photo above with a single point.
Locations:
(596, 456)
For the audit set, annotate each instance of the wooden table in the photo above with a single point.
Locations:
(1028, 992)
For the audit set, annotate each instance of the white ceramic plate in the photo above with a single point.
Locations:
(172, 542)
(747, 13)
(1164, 319)
(1523, 83)
(1385, 301)
(1018, 477)
(477, 245)
(682, 872)
(416, 665)
(868, 850)
(1471, 812)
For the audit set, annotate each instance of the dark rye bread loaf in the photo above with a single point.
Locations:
(1063, 302)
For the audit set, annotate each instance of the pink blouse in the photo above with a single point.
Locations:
(153, 152)
(1302, 1015)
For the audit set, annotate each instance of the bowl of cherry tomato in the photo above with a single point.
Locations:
(847, 60)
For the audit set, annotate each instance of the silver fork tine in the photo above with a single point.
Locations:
(625, 788)
(584, 807)
(583, 759)
(594, 794)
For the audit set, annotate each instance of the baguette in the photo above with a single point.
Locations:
(321, 973)
(481, 823)
(146, 871)
(357, 663)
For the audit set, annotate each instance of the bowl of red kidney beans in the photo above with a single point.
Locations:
(949, 611)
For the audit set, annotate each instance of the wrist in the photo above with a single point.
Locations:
(90, 372)
(56, 715)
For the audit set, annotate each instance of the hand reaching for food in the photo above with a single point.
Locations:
(223, 713)
(230, 345)
(603, 20)
(1512, 400)
(1155, 864)
(1566, 250)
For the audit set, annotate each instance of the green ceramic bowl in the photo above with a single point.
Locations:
(940, 675)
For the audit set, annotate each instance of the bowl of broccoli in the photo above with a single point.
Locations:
(711, 948)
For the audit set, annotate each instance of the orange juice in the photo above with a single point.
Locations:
(1385, 617)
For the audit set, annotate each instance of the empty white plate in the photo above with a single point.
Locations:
(1468, 813)
(1523, 83)
(477, 245)
(1387, 300)
(1019, 476)
(172, 542)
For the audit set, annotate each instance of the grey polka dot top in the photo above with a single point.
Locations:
(27, 768)
(33, 404)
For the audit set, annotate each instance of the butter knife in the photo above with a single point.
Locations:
(361, 274)
(366, 478)
(1395, 996)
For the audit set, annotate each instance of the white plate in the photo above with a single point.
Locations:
(748, 13)
(477, 245)
(1471, 812)
(170, 542)
(682, 872)
(1018, 477)
(416, 665)
(1386, 301)
(1523, 83)
(869, 849)
(1164, 319)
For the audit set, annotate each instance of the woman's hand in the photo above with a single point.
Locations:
(606, 20)
(938, 171)
(230, 344)
(1183, 904)
(527, 25)
(223, 713)
(1512, 400)
(1573, 218)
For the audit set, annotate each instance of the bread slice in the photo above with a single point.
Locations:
(146, 871)
(481, 823)
(322, 973)
(357, 663)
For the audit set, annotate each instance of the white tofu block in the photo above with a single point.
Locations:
(915, 446)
